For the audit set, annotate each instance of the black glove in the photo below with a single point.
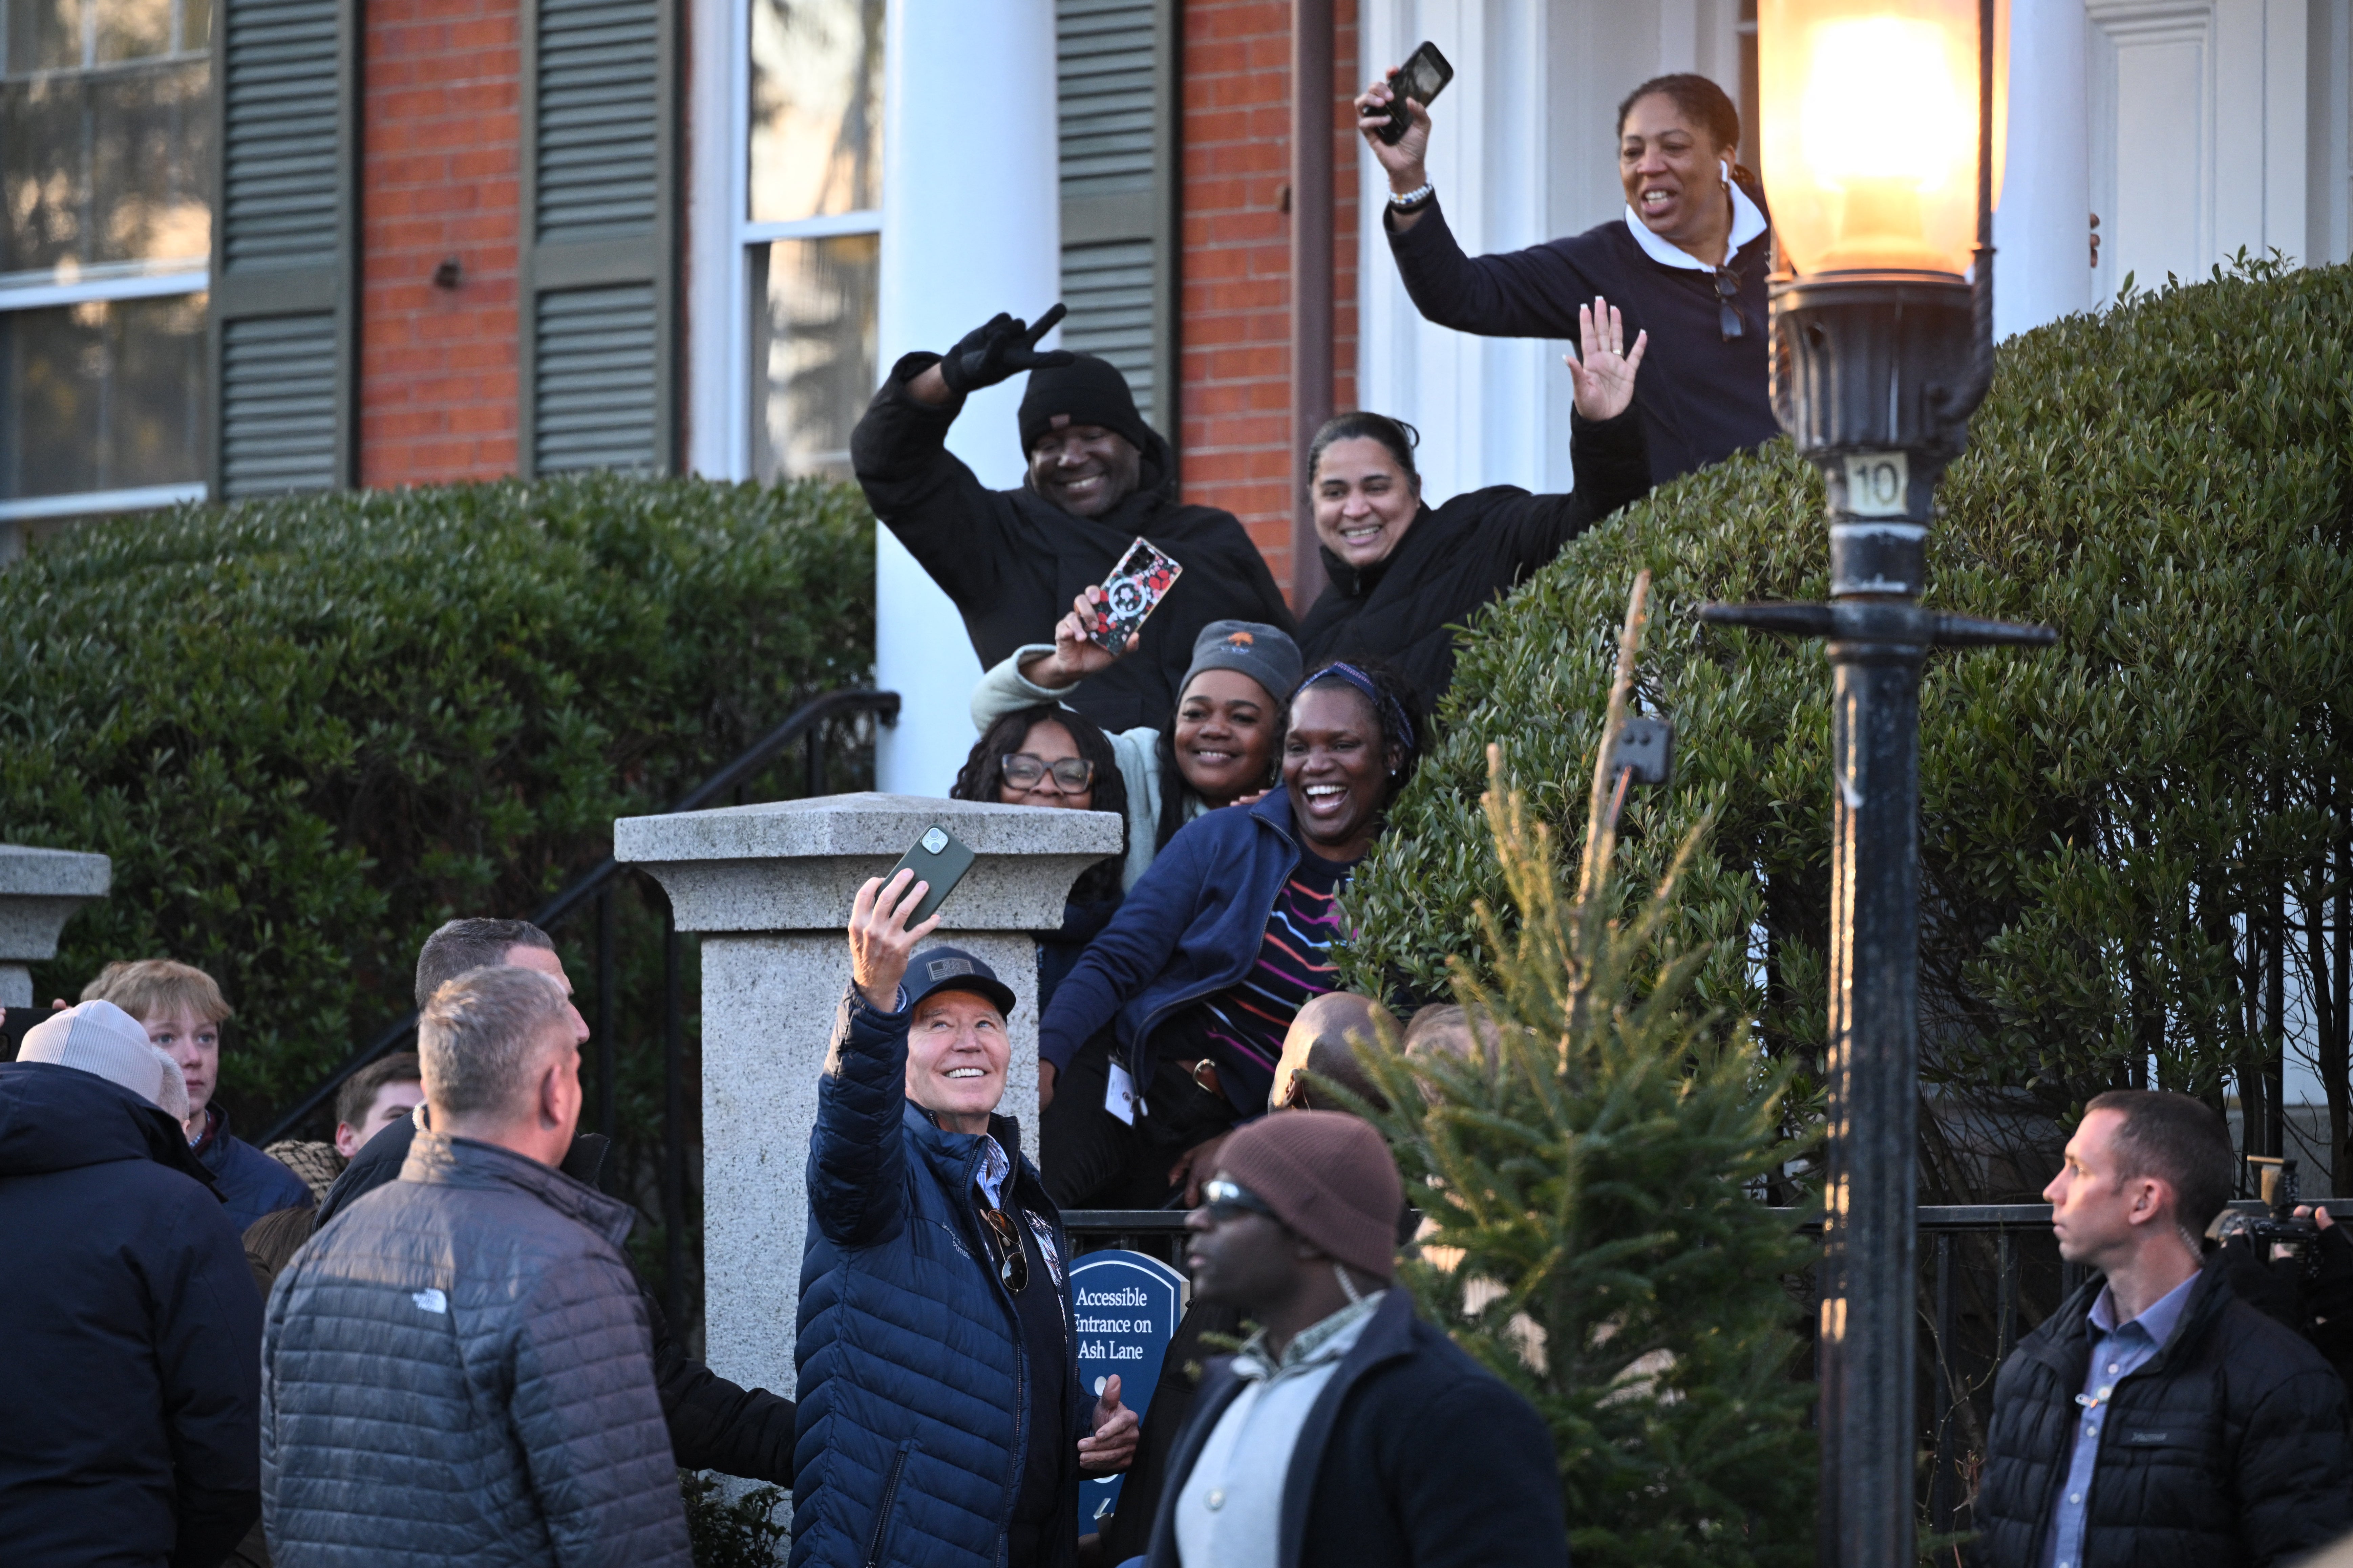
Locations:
(994, 351)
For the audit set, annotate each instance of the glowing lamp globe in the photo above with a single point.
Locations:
(1870, 130)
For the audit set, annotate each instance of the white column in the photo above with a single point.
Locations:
(1490, 410)
(717, 315)
(2287, 126)
(769, 887)
(971, 225)
(2042, 230)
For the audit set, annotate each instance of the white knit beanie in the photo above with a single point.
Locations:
(101, 1039)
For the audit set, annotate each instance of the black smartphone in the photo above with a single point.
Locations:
(1421, 78)
(939, 858)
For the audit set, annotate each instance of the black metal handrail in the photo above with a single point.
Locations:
(1974, 1258)
(1965, 1217)
(806, 721)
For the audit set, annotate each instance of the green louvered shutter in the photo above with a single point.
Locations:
(599, 152)
(1118, 113)
(284, 310)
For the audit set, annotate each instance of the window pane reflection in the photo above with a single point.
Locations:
(816, 108)
(73, 35)
(813, 345)
(111, 167)
(101, 397)
(133, 29)
(44, 36)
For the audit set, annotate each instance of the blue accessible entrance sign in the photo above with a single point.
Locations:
(1125, 1306)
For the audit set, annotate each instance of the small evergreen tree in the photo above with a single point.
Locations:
(1591, 1235)
(733, 1532)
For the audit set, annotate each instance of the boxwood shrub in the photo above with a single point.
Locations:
(309, 730)
(2115, 833)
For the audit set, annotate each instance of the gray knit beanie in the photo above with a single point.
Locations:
(1264, 653)
(101, 1039)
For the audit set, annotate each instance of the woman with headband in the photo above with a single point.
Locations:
(1403, 574)
(1166, 1034)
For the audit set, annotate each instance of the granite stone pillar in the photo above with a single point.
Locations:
(769, 889)
(40, 891)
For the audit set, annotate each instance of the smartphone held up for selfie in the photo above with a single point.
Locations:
(1132, 591)
(1422, 78)
(939, 858)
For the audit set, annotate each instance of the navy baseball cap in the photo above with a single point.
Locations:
(939, 969)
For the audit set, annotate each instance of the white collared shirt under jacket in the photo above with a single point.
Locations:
(1747, 223)
(1230, 1511)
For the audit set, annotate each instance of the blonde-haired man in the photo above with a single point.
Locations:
(182, 1009)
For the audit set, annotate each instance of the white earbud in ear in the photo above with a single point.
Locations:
(1724, 167)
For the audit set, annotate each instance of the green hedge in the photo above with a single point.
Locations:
(2171, 485)
(309, 730)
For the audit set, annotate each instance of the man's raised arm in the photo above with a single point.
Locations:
(857, 1182)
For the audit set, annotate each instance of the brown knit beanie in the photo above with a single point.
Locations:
(1327, 1176)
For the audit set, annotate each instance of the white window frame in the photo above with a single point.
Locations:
(73, 283)
(721, 235)
(70, 285)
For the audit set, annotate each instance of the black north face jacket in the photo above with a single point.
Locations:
(2227, 1449)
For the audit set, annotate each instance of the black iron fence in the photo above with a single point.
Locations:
(1988, 1275)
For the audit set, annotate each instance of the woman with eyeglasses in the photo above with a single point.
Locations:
(1052, 756)
(1216, 747)
(1686, 263)
(1166, 1034)
(1403, 574)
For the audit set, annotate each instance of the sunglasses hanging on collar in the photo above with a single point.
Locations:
(1012, 1262)
(1728, 318)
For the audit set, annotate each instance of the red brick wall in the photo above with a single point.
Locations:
(441, 169)
(1234, 328)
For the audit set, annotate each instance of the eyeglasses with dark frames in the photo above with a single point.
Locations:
(1012, 1262)
(1022, 771)
(1222, 1199)
(1728, 318)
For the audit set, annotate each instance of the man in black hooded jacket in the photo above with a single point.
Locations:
(129, 1413)
(1012, 561)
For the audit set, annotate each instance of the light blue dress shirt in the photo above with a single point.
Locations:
(2118, 1350)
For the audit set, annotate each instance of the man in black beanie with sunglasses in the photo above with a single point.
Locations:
(1098, 478)
(941, 1414)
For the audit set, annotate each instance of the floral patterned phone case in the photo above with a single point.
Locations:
(1134, 588)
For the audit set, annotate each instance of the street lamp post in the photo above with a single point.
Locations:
(1878, 155)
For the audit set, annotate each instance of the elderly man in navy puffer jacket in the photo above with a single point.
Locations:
(941, 1420)
(459, 1368)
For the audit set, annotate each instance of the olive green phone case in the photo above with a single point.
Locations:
(940, 858)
